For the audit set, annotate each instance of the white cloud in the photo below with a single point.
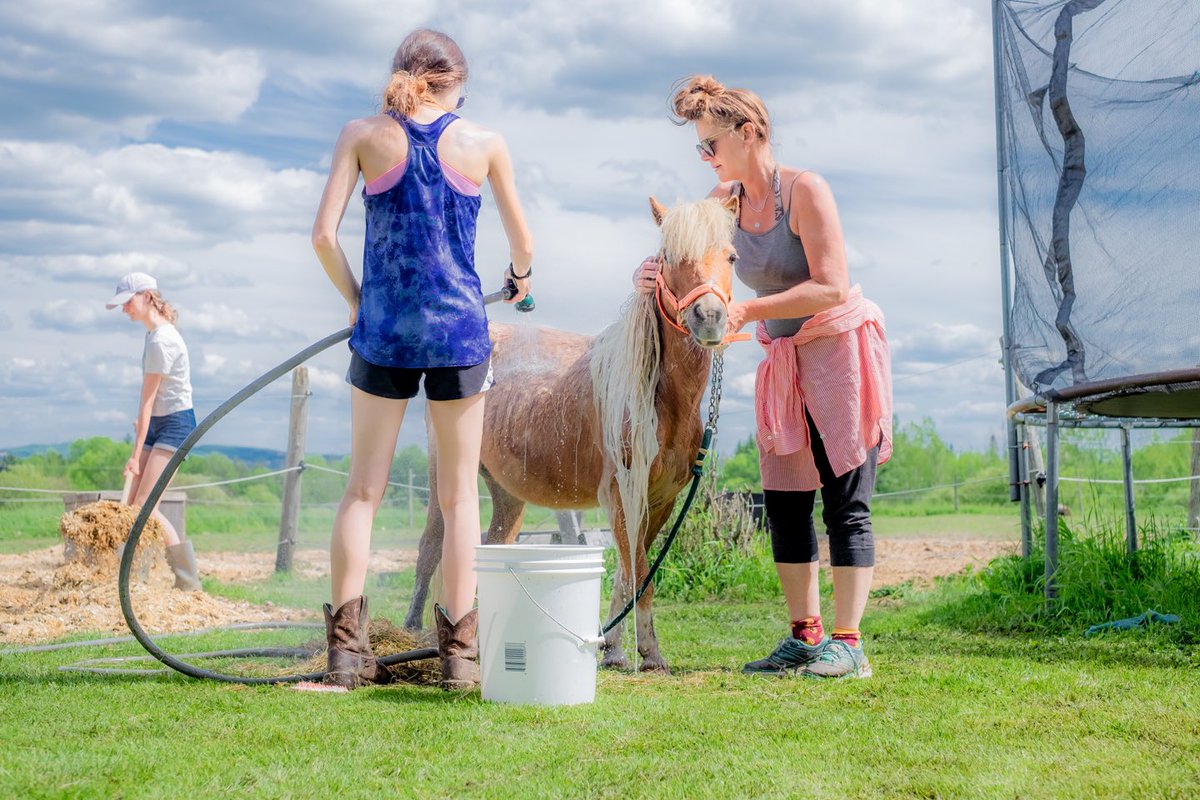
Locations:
(110, 66)
(233, 108)
(68, 315)
(211, 364)
(326, 380)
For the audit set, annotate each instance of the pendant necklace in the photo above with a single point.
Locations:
(774, 190)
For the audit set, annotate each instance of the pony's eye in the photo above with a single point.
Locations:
(733, 258)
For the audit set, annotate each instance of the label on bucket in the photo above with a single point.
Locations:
(514, 656)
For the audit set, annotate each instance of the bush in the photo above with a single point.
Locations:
(718, 553)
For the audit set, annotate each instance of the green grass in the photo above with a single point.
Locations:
(978, 693)
(948, 714)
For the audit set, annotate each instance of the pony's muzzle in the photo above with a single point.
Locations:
(706, 319)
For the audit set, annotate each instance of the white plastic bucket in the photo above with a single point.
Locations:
(539, 622)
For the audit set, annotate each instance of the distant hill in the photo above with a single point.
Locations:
(251, 456)
(27, 450)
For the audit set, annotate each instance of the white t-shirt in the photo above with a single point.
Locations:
(167, 355)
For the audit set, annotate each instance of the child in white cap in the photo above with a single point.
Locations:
(165, 415)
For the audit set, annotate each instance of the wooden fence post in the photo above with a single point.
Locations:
(410, 498)
(289, 520)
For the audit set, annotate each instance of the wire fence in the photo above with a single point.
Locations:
(184, 487)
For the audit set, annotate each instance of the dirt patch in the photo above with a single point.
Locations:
(920, 560)
(44, 597)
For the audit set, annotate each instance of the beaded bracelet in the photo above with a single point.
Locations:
(519, 277)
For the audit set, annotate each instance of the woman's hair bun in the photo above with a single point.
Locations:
(704, 97)
(706, 84)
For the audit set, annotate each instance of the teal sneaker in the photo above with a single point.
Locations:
(790, 655)
(839, 660)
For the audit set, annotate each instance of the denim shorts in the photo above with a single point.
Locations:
(168, 432)
(401, 383)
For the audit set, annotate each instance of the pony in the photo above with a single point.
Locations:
(574, 421)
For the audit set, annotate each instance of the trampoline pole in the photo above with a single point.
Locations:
(1127, 473)
(1010, 393)
(1051, 500)
(1023, 463)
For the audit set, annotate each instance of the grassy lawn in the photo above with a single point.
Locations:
(1004, 527)
(949, 713)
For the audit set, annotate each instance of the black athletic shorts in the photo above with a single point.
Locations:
(400, 383)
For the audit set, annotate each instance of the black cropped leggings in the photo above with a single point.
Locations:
(846, 513)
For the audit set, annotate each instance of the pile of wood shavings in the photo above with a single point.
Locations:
(95, 530)
(42, 598)
(387, 639)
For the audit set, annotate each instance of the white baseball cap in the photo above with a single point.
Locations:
(130, 285)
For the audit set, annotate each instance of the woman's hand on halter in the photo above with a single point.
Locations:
(645, 277)
(736, 317)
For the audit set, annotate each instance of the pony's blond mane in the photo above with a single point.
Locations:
(626, 360)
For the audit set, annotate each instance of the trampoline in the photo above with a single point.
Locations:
(1098, 167)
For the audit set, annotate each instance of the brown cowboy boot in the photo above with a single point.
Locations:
(350, 661)
(458, 649)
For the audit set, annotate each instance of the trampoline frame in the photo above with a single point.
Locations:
(1057, 409)
(1054, 414)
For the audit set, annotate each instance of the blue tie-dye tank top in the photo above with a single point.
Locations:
(422, 305)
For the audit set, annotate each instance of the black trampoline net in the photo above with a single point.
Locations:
(1100, 125)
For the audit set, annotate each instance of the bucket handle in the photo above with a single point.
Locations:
(582, 642)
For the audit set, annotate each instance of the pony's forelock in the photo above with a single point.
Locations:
(689, 230)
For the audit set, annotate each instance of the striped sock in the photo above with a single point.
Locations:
(851, 636)
(808, 630)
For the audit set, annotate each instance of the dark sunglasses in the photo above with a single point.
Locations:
(705, 146)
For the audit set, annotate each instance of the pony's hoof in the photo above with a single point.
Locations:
(614, 661)
(654, 665)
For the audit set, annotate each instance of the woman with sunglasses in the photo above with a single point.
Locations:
(823, 391)
(419, 314)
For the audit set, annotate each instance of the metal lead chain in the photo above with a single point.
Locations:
(714, 389)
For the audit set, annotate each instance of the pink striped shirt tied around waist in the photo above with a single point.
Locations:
(838, 369)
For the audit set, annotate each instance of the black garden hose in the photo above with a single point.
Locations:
(255, 386)
(135, 627)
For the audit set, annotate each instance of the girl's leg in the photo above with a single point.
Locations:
(153, 462)
(458, 428)
(374, 425)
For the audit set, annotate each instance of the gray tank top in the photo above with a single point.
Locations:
(772, 261)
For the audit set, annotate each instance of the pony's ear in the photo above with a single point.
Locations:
(657, 210)
(730, 204)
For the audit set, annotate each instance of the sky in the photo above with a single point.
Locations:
(191, 141)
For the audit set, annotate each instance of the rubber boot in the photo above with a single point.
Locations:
(350, 662)
(458, 649)
(182, 559)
